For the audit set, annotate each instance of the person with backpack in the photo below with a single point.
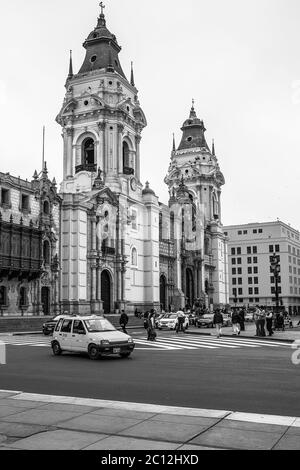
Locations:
(151, 326)
(218, 321)
(180, 321)
(123, 321)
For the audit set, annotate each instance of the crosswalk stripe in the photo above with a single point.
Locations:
(249, 341)
(154, 344)
(185, 345)
(202, 343)
(222, 343)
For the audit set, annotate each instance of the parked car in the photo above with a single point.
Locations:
(93, 335)
(159, 317)
(49, 325)
(205, 320)
(170, 321)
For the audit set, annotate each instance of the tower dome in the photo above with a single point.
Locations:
(193, 132)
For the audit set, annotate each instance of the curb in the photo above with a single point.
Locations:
(264, 338)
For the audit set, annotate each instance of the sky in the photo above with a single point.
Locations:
(238, 59)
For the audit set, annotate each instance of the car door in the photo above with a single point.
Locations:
(79, 337)
(65, 335)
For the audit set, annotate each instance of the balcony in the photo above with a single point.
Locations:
(89, 167)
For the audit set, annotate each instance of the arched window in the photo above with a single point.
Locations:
(23, 297)
(215, 207)
(172, 226)
(46, 208)
(88, 152)
(46, 252)
(134, 257)
(127, 166)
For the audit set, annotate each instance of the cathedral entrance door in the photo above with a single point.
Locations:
(45, 298)
(190, 295)
(106, 291)
(163, 289)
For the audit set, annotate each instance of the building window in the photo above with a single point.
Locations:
(255, 260)
(277, 248)
(255, 270)
(239, 261)
(239, 251)
(250, 280)
(254, 250)
(23, 297)
(88, 152)
(46, 252)
(240, 281)
(250, 290)
(256, 280)
(245, 232)
(260, 230)
(233, 251)
(5, 199)
(233, 261)
(226, 234)
(172, 228)
(24, 203)
(160, 227)
(46, 208)
(254, 231)
(249, 250)
(272, 280)
(3, 296)
(256, 291)
(240, 232)
(134, 257)
(257, 301)
(249, 270)
(249, 260)
(233, 271)
(271, 248)
(240, 291)
(234, 281)
(239, 270)
(234, 292)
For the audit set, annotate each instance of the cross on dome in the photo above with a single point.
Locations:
(102, 6)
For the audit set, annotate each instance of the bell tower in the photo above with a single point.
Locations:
(195, 180)
(101, 117)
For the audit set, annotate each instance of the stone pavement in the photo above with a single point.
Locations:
(44, 422)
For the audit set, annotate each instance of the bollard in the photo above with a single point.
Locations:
(2, 353)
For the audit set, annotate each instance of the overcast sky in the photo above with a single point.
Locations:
(239, 60)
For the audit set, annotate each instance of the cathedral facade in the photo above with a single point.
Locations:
(120, 247)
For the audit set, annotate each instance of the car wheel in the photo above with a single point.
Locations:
(93, 352)
(56, 349)
(124, 355)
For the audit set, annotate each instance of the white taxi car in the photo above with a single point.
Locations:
(170, 321)
(94, 335)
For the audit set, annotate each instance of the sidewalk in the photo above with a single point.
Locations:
(289, 335)
(41, 422)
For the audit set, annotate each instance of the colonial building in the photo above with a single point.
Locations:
(29, 245)
(251, 248)
(120, 247)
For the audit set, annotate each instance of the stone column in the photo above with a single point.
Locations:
(65, 139)
(120, 148)
(93, 286)
(101, 159)
(69, 157)
(138, 139)
(94, 233)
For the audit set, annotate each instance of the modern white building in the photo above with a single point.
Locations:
(250, 248)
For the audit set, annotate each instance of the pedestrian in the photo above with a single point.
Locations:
(235, 323)
(262, 322)
(269, 320)
(242, 318)
(180, 321)
(151, 326)
(256, 317)
(218, 321)
(124, 321)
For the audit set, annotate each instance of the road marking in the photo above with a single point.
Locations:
(184, 344)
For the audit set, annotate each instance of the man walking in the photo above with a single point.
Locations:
(218, 321)
(262, 322)
(123, 321)
(242, 319)
(269, 320)
(180, 321)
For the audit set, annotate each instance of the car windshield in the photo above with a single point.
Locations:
(99, 325)
(170, 315)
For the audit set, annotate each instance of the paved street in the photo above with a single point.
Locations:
(176, 371)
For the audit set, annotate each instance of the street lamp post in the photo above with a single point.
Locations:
(276, 270)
